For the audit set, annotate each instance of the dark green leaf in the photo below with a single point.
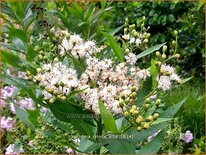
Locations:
(150, 50)
(107, 118)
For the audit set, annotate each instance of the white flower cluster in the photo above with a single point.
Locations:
(57, 79)
(106, 81)
(133, 40)
(74, 45)
(169, 75)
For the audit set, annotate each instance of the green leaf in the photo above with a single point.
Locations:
(23, 116)
(33, 116)
(107, 118)
(171, 111)
(171, 18)
(160, 120)
(117, 50)
(84, 144)
(120, 146)
(11, 59)
(140, 136)
(94, 147)
(185, 80)
(150, 50)
(201, 3)
(17, 33)
(31, 54)
(154, 146)
(154, 73)
(67, 112)
(73, 93)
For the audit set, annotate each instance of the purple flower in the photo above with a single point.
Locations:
(10, 150)
(187, 137)
(7, 91)
(26, 103)
(7, 123)
(30, 143)
(69, 150)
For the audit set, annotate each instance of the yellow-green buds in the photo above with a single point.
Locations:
(146, 126)
(52, 100)
(134, 89)
(155, 116)
(126, 114)
(139, 128)
(63, 98)
(126, 51)
(158, 54)
(149, 118)
(164, 56)
(177, 56)
(157, 102)
(39, 70)
(121, 104)
(139, 119)
(164, 48)
(122, 95)
(145, 41)
(173, 43)
(175, 32)
(147, 100)
(56, 59)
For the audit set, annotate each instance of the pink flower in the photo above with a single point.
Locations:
(7, 123)
(187, 137)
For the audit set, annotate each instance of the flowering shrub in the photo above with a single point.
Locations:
(98, 90)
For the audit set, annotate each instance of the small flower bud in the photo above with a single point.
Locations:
(164, 48)
(143, 18)
(147, 100)
(146, 126)
(164, 56)
(177, 56)
(134, 94)
(126, 51)
(175, 32)
(148, 35)
(136, 112)
(155, 116)
(149, 118)
(157, 102)
(126, 114)
(136, 34)
(126, 101)
(52, 100)
(173, 43)
(56, 59)
(61, 84)
(40, 57)
(50, 90)
(146, 106)
(134, 107)
(122, 95)
(125, 30)
(134, 89)
(117, 97)
(145, 41)
(41, 85)
(39, 70)
(30, 77)
(45, 57)
(131, 111)
(158, 54)
(139, 128)
(126, 20)
(63, 98)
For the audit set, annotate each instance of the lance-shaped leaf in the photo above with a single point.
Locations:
(150, 50)
(107, 118)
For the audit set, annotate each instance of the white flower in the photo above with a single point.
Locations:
(132, 40)
(126, 36)
(10, 150)
(138, 42)
(164, 83)
(131, 58)
(69, 150)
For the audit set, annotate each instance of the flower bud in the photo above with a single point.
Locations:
(61, 84)
(173, 43)
(30, 77)
(56, 59)
(121, 104)
(164, 48)
(164, 56)
(39, 70)
(155, 116)
(134, 89)
(147, 100)
(63, 98)
(139, 128)
(126, 20)
(45, 57)
(122, 95)
(146, 106)
(126, 101)
(41, 85)
(139, 119)
(136, 34)
(145, 41)
(136, 112)
(126, 51)
(117, 97)
(158, 54)
(50, 90)
(157, 102)
(125, 30)
(149, 118)
(131, 111)
(148, 35)
(177, 56)
(126, 114)
(52, 100)
(146, 126)
(133, 95)
(134, 107)
(40, 57)
(175, 32)
(143, 18)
